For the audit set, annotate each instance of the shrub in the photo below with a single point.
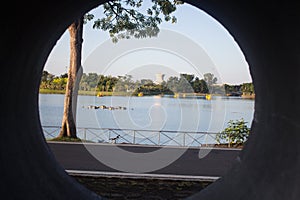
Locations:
(236, 133)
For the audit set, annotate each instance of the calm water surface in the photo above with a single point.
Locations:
(150, 113)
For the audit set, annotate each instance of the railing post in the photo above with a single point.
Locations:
(184, 139)
(84, 133)
(133, 137)
(159, 132)
(108, 130)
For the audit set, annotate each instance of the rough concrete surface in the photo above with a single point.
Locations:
(266, 31)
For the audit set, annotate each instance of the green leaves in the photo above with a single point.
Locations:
(88, 17)
(124, 18)
(187, 83)
(248, 88)
(236, 133)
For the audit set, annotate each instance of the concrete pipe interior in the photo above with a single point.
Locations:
(268, 34)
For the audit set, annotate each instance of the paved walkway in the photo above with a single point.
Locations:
(75, 158)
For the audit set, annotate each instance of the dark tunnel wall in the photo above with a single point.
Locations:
(269, 36)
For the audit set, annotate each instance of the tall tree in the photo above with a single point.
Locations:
(210, 79)
(199, 86)
(68, 127)
(122, 20)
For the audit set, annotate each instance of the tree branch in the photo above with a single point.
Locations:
(113, 9)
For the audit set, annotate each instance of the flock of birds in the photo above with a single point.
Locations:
(107, 107)
(113, 139)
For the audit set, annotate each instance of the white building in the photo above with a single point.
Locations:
(159, 78)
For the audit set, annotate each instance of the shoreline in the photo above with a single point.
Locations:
(103, 94)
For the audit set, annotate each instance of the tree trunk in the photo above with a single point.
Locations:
(68, 128)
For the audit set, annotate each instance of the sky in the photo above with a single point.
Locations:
(196, 44)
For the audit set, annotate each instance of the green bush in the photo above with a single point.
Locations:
(236, 133)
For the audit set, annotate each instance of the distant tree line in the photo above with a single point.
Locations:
(185, 83)
(236, 90)
(52, 82)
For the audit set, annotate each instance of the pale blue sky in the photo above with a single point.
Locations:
(208, 40)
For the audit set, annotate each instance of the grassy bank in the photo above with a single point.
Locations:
(82, 92)
(97, 93)
(49, 91)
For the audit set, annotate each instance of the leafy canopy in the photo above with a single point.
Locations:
(126, 18)
(210, 79)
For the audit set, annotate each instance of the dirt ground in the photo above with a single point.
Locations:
(146, 189)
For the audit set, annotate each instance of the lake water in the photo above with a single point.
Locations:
(150, 113)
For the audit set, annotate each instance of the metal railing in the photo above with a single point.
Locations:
(133, 136)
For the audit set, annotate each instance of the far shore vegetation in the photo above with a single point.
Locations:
(185, 85)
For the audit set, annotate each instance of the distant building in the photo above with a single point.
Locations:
(159, 78)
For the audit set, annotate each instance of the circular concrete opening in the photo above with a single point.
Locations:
(107, 60)
(268, 167)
